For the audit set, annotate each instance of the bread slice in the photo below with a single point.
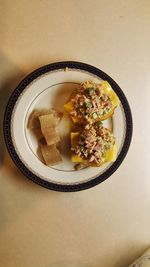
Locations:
(48, 128)
(34, 123)
(51, 154)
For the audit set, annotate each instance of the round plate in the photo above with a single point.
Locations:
(50, 87)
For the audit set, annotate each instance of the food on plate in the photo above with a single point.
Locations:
(44, 123)
(92, 102)
(80, 166)
(48, 128)
(34, 123)
(51, 154)
(94, 146)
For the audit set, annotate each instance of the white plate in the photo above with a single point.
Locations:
(50, 87)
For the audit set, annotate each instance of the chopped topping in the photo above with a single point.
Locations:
(90, 102)
(94, 115)
(91, 91)
(93, 143)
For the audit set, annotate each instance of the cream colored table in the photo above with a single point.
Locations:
(108, 225)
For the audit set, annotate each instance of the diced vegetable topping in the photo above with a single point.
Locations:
(93, 143)
(90, 102)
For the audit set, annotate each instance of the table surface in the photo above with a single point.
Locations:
(108, 225)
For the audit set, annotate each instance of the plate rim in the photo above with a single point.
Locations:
(7, 125)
